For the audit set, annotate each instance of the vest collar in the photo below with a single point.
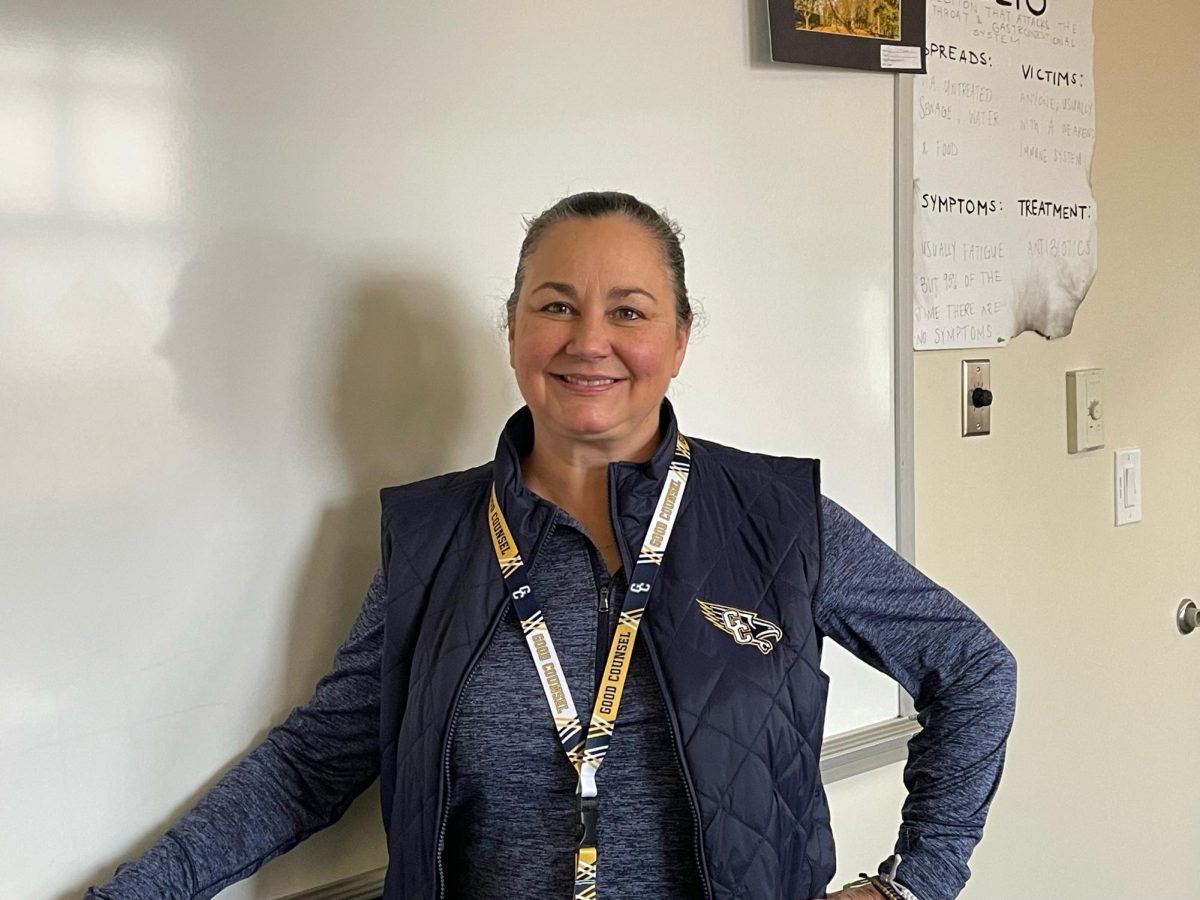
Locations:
(633, 488)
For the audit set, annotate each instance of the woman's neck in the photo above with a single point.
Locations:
(574, 476)
(570, 472)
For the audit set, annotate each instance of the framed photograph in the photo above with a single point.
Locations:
(878, 35)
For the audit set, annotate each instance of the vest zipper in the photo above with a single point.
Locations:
(443, 813)
(602, 632)
(685, 777)
(626, 562)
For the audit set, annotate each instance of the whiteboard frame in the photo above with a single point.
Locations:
(862, 749)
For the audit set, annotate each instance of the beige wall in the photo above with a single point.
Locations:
(1093, 801)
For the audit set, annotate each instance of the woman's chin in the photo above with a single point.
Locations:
(586, 428)
(584, 425)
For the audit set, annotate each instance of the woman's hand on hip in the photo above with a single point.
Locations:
(866, 892)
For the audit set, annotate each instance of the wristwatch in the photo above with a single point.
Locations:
(886, 883)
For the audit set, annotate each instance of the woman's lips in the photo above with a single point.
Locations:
(587, 384)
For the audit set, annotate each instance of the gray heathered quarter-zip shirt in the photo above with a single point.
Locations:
(510, 827)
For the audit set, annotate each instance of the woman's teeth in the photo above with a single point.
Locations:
(589, 382)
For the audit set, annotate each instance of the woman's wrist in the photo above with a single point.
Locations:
(885, 883)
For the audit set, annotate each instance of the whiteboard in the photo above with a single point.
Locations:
(252, 258)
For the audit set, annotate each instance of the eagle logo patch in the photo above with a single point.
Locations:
(743, 626)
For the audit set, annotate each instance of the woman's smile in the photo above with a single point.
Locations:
(587, 384)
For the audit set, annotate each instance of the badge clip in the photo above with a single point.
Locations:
(587, 808)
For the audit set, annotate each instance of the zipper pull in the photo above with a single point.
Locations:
(602, 606)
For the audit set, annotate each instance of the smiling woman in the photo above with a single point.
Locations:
(599, 516)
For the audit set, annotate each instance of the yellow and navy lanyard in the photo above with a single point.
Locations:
(586, 754)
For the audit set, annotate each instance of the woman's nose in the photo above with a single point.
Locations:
(589, 337)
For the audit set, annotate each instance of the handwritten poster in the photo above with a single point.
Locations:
(1004, 231)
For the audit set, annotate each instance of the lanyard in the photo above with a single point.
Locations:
(587, 754)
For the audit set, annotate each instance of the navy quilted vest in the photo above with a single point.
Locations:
(747, 724)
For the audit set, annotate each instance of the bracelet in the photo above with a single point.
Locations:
(886, 884)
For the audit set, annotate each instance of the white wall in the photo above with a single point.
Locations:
(251, 259)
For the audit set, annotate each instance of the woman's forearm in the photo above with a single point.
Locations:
(962, 678)
(300, 779)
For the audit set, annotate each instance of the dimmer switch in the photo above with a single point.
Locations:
(1085, 410)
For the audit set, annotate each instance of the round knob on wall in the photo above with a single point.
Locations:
(981, 397)
(1188, 617)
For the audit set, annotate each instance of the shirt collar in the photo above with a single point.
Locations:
(633, 487)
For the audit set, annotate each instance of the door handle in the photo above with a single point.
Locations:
(1188, 617)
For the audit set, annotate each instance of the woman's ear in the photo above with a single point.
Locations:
(682, 335)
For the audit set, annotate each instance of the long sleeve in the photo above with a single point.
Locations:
(963, 679)
(300, 779)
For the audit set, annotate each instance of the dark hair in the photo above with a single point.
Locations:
(593, 205)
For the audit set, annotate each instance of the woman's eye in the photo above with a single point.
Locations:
(556, 306)
(628, 313)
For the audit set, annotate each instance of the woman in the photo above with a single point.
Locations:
(534, 571)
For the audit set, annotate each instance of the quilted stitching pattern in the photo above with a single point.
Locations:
(751, 725)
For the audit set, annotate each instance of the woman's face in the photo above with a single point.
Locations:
(594, 341)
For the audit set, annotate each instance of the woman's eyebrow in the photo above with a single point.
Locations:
(626, 291)
(556, 286)
(564, 288)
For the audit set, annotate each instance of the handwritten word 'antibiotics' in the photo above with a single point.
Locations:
(1070, 247)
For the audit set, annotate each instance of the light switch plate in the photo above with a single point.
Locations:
(976, 420)
(1128, 485)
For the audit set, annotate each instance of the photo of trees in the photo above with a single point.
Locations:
(875, 35)
(878, 19)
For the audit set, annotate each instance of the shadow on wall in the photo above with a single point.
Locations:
(400, 405)
(247, 341)
(402, 395)
(253, 321)
(292, 374)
